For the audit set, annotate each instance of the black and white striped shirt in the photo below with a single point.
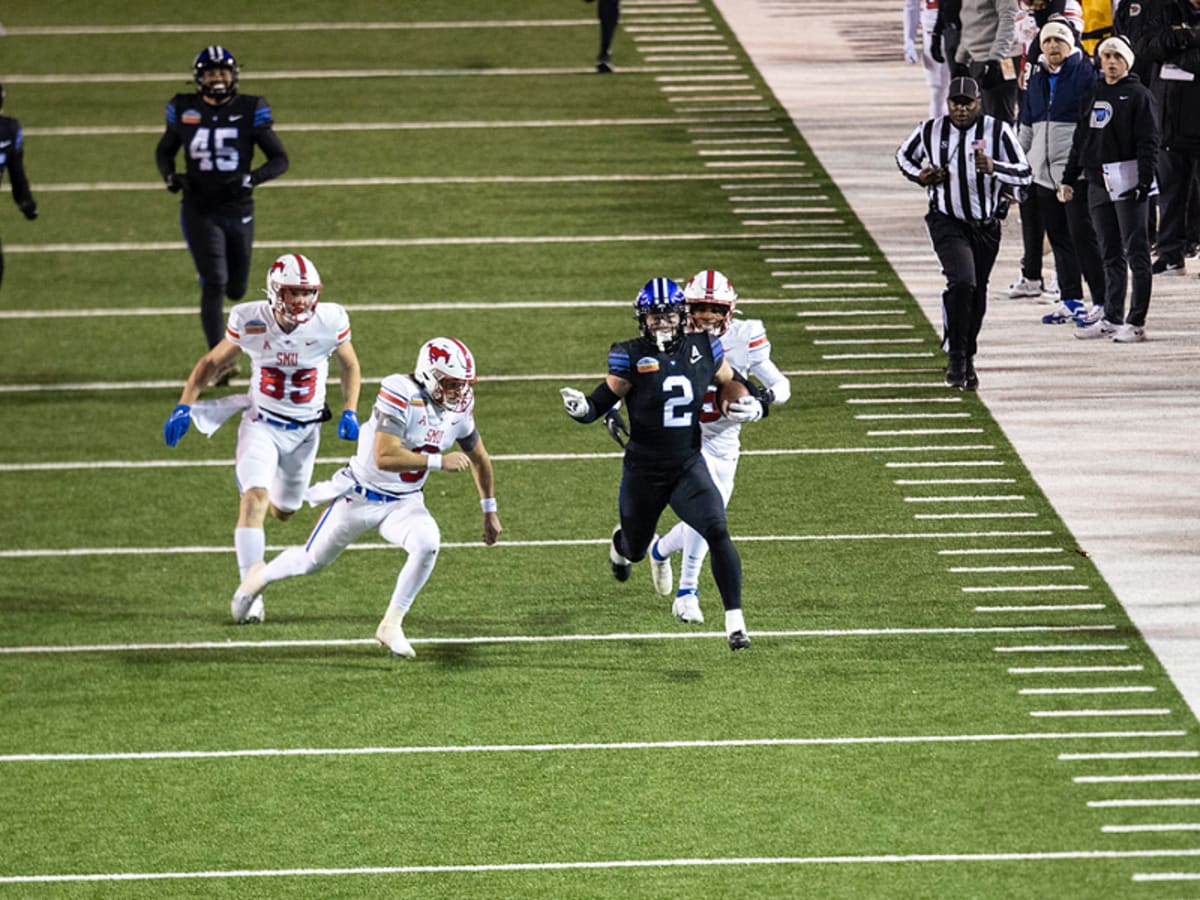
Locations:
(966, 193)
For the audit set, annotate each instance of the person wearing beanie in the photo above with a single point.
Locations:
(1056, 95)
(12, 157)
(1171, 41)
(1114, 147)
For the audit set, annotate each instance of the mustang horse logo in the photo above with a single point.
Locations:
(438, 354)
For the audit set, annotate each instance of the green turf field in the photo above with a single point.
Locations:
(943, 697)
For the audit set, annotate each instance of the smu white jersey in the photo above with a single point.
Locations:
(290, 369)
(746, 347)
(404, 410)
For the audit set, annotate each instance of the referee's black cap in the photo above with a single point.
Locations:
(963, 89)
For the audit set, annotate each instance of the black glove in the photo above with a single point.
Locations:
(1137, 193)
(616, 426)
(990, 75)
(766, 397)
(935, 47)
(29, 210)
(176, 182)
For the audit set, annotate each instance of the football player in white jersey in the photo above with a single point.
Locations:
(711, 304)
(416, 420)
(289, 339)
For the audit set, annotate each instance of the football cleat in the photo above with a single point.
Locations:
(621, 567)
(247, 604)
(686, 608)
(739, 640)
(660, 571)
(391, 635)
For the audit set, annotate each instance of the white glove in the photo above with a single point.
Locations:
(910, 52)
(575, 402)
(745, 409)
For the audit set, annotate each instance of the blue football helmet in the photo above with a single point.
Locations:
(662, 295)
(215, 57)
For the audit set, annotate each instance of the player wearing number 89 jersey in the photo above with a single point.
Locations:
(218, 128)
(289, 338)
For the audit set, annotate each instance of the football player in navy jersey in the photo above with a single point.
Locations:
(12, 157)
(662, 378)
(218, 129)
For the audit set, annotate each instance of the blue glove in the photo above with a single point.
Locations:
(348, 426)
(177, 424)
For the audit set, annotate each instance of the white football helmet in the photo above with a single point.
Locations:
(446, 371)
(292, 270)
(713, 293)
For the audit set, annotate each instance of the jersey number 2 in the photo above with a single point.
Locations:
(679, 391)
(209, 144)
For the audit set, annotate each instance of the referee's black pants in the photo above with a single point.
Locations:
(967, 251)
(646, 490)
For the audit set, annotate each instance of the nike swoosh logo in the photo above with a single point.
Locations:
(4, 144)
(246, 220)
(234, 118)
(309, 343)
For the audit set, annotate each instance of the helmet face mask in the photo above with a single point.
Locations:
(711, 302)
(661, 312)
(294, 288)
(215, 72)
(445, 370)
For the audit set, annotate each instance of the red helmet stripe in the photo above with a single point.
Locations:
(467, 355)
(708, 282)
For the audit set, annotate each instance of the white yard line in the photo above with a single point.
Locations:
(577, 747)
(886, 859)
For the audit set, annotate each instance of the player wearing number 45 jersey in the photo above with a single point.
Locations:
(415, 422)
(289, 338)
(218, 129)
(663, 377)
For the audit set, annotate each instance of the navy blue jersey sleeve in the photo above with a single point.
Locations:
(262, 114)
(717, 349)
(619, 362)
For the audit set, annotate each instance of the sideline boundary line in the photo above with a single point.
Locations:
(622, 864)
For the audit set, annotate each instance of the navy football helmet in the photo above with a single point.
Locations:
(661, 296)
(215, 57)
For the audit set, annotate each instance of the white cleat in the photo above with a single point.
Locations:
(660, 572)
(391, 635)
(247, 604)
(686, 608)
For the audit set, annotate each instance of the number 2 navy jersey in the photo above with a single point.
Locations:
(290, 369)
(665, 403)
(218, 146)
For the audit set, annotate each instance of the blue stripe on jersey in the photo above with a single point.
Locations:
(20, 140)
(172, 116)
(619, 362)
(262, 117)
(717, 348)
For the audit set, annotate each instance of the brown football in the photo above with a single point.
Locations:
(730, 391)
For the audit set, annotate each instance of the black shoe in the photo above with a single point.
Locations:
(970, 378)
(604, 68)
(1165, 266)
(739, 641)
(621, 567)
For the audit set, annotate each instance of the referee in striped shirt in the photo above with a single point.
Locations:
(963, 159)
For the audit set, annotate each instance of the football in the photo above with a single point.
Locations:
(730, 391)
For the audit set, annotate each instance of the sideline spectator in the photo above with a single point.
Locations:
(1058, 91)
(1173, 41)
(12, 157)
(1115, 147)
(988, 48)
(963, 159)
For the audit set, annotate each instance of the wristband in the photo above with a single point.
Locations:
(433, 462)
(488, 504)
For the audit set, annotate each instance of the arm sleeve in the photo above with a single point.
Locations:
(22, 195)
(912, 14)
(1012, 167)
(600, 401)
(1005, 43)
(773, 380)
(911, 155)
(470, 441)
(168, 145)
(264, 135)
